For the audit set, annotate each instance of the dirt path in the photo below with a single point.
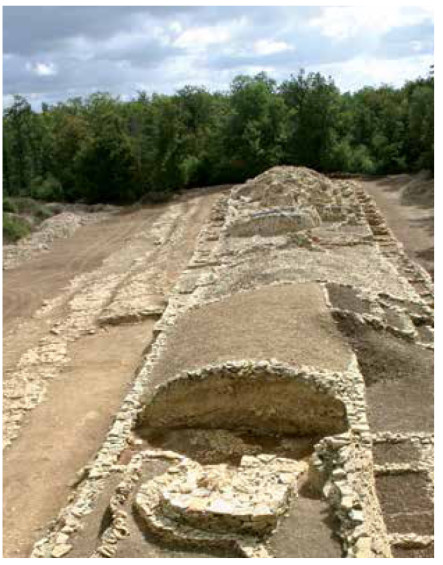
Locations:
(407, 204)
(44, 277)
(61, 353)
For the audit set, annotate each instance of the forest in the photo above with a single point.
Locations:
(104, 149)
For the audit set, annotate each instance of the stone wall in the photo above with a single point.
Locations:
(263, 396)
(257, 339)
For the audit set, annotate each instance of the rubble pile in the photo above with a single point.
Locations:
(247, 500)
(287, 200)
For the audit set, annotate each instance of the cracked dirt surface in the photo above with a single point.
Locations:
(63, 376)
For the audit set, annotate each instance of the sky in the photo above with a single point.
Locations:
(53, 53)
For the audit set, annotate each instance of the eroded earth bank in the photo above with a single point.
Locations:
(259, 363)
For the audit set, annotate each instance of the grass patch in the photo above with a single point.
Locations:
(9, 206)
(26, 206)
(14, 228)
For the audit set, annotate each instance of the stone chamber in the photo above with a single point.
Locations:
(285, 408)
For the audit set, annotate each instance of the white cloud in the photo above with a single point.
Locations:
(270, 46)
(42, 69)
(200, 37)
(353, 74)
(175, 27)
(8, 100)
(416, 46)
(345, 22)
(166, 49)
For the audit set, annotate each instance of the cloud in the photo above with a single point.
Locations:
(346, 22)
(43, 69)
(270, 46)
(363, 70)
(51, 53)
(201, 37)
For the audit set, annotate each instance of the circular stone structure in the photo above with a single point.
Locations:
(216, 504)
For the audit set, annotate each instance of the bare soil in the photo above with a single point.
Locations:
(407, 203)
(307, 530)
(235, 329)
(405, 503)
(398, 376)
(25, 287)
(414, 552)
(60, 435)
(64, 432)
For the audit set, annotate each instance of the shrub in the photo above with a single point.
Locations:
(26, 205)
(9, 206)
(157, 196)
(14, 228)
(190, 168)
(43, 213)
(48, 189)
(31, 207)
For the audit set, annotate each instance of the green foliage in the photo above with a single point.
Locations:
(313, 104)
(46, 188)
(256, 129)
(190, 168)
(34, 209)
(421, 125)
(101, 149)
(14, 228)
(9, 206)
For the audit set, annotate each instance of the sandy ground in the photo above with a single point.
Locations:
(60, 435)
(407, 204)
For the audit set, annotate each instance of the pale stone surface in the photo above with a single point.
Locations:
(201, 500)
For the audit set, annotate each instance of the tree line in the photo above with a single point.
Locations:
(103, 149)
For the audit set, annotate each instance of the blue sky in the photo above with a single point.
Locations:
(51, 53)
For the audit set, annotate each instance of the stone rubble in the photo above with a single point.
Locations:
(106, 295)
(287, 226)
(217, 503)
(61, 225)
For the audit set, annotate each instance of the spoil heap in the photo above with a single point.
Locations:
(275, 372)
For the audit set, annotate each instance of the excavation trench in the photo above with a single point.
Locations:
(250, 397)
(246, 438)
(61, 435)
(259, 415)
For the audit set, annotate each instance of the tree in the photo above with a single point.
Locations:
(314, 103)
(103, 149)
(21, 135)
(256, 129)
(105, 162)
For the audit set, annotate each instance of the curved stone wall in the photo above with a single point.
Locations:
(267, 332)
(264, 397)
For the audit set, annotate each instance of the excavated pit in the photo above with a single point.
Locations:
(231, 397)
(214, 446)
(246, 437)
(274, 381)
(216, 498)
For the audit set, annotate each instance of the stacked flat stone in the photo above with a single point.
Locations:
(221, 499)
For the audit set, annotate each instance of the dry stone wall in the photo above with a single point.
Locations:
(257, 405)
